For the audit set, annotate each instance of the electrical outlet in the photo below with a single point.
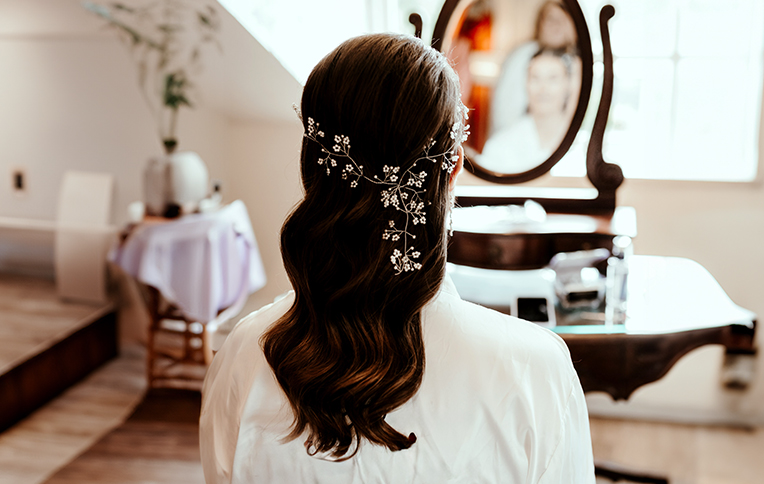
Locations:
(19, 180)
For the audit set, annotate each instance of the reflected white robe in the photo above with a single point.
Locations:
(514, 150)
(499, 402)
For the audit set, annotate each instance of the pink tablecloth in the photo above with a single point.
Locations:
(202, 263)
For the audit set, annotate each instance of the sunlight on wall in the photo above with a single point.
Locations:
(291, 32)
(301, 32)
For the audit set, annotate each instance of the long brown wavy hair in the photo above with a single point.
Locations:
(350, 348)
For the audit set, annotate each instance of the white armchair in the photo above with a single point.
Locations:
(83, 236)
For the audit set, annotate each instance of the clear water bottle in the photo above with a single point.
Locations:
(617, 274)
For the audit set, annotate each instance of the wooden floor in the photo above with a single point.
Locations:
(50, 438)
(32, 318)
(687, 454)
(158, 443)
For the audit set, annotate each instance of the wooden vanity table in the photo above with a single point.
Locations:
(673, 305)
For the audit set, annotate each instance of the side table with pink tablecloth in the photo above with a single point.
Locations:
(203, 266)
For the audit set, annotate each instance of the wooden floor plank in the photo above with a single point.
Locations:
(35, 448)
(686, 454)
(158, 443)
(33, 318)
(130, 471)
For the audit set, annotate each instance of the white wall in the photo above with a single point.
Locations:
(265, 159)
(73, 103)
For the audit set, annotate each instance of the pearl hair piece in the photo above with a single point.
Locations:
(400, 190)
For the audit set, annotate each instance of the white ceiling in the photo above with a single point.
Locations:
(244, 82)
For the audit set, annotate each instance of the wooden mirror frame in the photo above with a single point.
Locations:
(605, 177)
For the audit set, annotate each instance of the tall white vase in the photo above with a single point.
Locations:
(178, 180)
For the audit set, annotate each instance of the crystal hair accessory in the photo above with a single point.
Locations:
(401, 190)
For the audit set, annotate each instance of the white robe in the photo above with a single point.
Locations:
(500, 402)
(516, 149)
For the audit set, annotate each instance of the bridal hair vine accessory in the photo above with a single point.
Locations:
(401, 190)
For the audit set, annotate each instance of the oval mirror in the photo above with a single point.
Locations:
(525, 68)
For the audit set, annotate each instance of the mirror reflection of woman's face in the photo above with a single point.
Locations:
(556, 29)
(548, 85)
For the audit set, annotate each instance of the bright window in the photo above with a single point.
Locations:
(688, 83)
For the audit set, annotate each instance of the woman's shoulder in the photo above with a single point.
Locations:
(225, 392)
(240, 359)
(249, 328)
(494, 338)
(240, 354)
(260, 319)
